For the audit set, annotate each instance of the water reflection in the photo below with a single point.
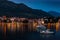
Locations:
(47, 35)
(38, 36)
(25, 29)
(15, 31)
(20, 26)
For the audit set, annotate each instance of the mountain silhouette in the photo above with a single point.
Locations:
(54, 13)
(10, 8)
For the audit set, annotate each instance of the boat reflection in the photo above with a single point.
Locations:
(47, 35)
(13, 25)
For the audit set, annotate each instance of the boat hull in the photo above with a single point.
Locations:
(47, 33)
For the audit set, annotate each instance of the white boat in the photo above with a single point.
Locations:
(42, 29)
(47, 32)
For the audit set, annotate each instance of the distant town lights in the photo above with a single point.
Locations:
(12, 19)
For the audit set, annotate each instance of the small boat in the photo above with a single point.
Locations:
(42, 29)
(47, 32)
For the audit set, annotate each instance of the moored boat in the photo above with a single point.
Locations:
(42, 29)
(47, 32)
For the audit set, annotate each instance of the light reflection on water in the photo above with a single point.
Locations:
(13, 34)
(46, 36)
(20, 26)
(29, 36)
(37, 36)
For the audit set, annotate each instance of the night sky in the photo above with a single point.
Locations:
(46, 5)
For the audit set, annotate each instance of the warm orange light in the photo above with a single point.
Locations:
(42, 22)
(49, 25)
(57, 26)
(8, 26)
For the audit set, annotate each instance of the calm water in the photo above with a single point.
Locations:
(17, 35)
(38, 36)
(28, 36)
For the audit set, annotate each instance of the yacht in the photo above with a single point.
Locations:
(47, 32)
(42, 29)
